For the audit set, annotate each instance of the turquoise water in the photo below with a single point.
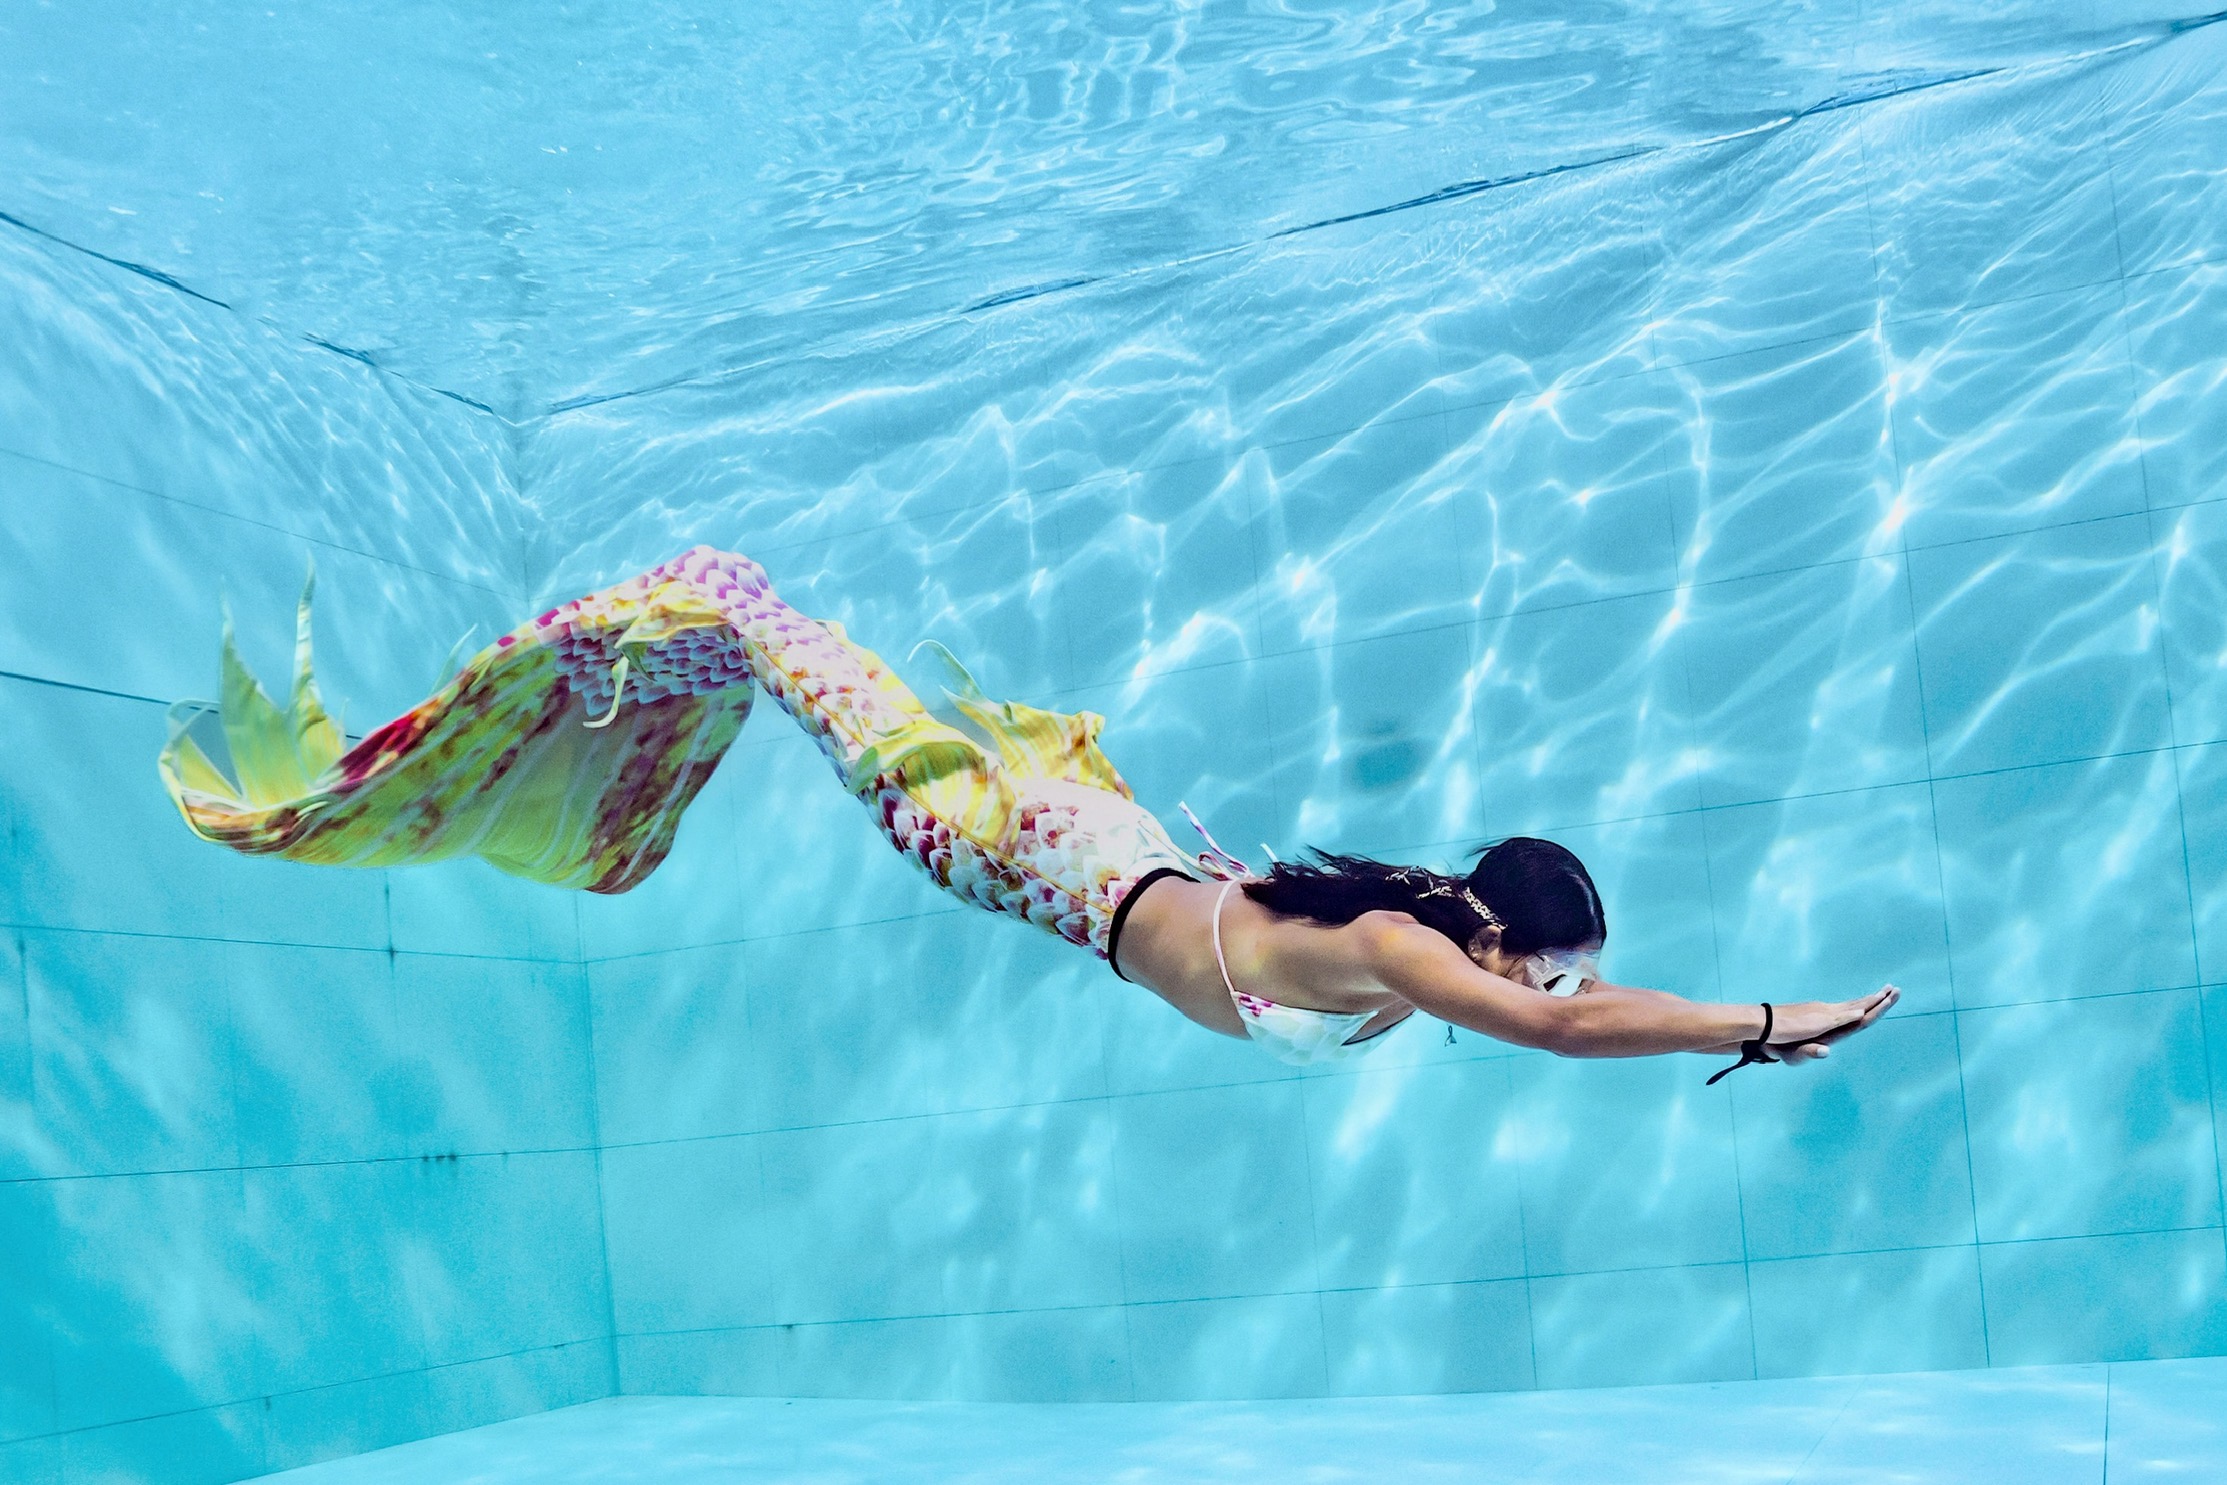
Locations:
(1776, 455)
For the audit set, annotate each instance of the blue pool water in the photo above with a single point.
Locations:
(1776, 453)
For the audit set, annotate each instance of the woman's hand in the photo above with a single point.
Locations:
(1805, 1032)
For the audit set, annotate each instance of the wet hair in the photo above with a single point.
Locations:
(1539, 893)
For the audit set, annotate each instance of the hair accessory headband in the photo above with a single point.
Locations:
(1477, 906)
(1441, 887)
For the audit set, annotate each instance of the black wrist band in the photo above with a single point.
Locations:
(1756, 1050)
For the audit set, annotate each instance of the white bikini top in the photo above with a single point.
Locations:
(1292, 1033)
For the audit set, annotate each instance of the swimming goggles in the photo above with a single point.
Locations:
(1561, 971)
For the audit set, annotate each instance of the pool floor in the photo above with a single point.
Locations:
(2096, 1425)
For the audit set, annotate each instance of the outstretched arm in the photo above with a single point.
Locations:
(1424, 968)
(1791, 1021)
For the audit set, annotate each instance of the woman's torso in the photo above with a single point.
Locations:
(1167, 945)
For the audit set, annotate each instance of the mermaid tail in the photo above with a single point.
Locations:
(494, 764)
(567, 751)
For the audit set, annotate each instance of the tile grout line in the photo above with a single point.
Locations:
(1948, 949)
(901, 1316)
(2108, 1377)
(251, 1399)
(586, 990)
(226, 515)
(1933, 802)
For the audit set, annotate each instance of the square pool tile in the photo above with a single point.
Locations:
(158, 1302)
(691, 1243)
(131, 1051)
(1566, 497)
(2090, 1117)
(831, 1256)
(97, 844)
(1913, 1310)
(506, 1059)
(329, 1249)
(1649, 1325)
(674, 1049)
(1626, 1163)
(509, 1256)
(1428, 1338)
(2015, 416)
(1802, 682)
(1796, 464)
(1885, 1115)
(1358, 535)
(1156, 571)
(323, 1068)
(1269, 1346)
(2064, 881)
(1374, 740)
(2135, 1297)
(1581, 714)
(2040, 647)
(1212, 1193)
(937, 1013)
(1028, 1216)
(1836, 893)
(1411, 1184)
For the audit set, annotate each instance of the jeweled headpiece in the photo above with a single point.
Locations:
(1442, 887)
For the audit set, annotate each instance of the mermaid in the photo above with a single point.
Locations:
(567, 751)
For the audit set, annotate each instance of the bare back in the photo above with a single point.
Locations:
(1167, 945)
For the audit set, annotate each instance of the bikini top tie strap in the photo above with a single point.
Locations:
(1219, 864)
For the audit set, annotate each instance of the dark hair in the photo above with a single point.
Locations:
(1541, 894)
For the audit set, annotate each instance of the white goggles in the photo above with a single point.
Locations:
(1561, 971)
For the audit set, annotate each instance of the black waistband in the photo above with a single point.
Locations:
(1121, 912)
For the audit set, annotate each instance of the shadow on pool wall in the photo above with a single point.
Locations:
(1821, 533)
(1818, 532)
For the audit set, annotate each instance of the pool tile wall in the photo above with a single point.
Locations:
(292, 1163)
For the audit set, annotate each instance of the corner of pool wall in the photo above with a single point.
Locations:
(1819, 529)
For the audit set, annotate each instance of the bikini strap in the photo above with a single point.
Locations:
(1218, 862)
(1221, 962)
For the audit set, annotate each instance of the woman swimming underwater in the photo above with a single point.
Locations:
(567, 751)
